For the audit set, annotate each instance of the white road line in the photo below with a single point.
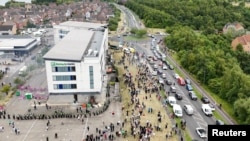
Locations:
(85, 128)
(199, 120)
(29, 130)
(204, 125)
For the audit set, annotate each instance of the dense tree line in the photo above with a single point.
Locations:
(211, 60)
(197, 14)
(113, 21)
(194, 27)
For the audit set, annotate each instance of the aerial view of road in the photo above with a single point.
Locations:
(38, 119)
(198, 119)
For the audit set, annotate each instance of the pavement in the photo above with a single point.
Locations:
(35, 129)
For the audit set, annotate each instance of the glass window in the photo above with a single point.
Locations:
(64, 69)
(91, 77)
(65, 86)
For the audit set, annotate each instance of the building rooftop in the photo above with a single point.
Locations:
(71, 47)
(95, 44)
(82, 24)
(15, 42)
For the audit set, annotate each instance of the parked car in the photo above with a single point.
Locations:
(164, 76)
(181, 81)
(171, 67)
(154, 73)
(212, 106)
(205, 100)
(168, 82)
(176, 75)
(155, 66)
(178, 96)
(189, 87)
(201, 132)
(166, 62)
(164, 67)
(219, 122)
(172, 89)
(188, 109)
(206, 110)
(155, 58)
(192, 95)
(161, 81)
(188, 81)
(159, 71)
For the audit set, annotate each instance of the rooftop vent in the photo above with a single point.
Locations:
(89, 52)
(95, 53)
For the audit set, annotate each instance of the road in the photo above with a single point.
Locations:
(199, 119)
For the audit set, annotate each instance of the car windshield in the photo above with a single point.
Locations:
(178, 112)
(202, 131)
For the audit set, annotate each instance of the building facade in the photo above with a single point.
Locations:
(18, 45)
(75, 66)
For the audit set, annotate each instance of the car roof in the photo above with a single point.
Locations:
(188, 106)
(171, 98)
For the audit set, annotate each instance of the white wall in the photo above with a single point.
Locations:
(82, 77)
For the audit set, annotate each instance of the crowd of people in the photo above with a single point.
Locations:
(142, 82)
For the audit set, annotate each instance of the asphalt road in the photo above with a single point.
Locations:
(198, 119)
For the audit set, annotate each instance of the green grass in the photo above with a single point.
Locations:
(187, 136)
(134, 38)
(218, 116)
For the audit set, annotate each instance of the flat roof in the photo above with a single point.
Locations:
(82, 24)
(95, 44)
(71, 47)
(15, 42)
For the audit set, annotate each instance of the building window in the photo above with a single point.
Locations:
(64, 86)
(91, 77)
(61, 36)
(64, 77)
(64, 69)
(63, 31)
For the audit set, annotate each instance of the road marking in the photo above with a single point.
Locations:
(203, 125)
(85, 128)
(29, 130)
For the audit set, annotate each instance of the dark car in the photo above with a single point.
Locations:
(205, 100)
(166, 62)
(168, 82)
(192, 95)
(172, 89)
(159, 71)
(171, 67)
(189, 87)
(178, 95)
(219, 122)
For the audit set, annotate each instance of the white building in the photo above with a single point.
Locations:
(76, 64)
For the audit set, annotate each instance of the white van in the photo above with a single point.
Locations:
(188, 109)
(206, 109)
(177, 110)
(171, 100)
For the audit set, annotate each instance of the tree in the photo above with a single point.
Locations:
(242, 110)
(18, 81)
(5, 89)
(141, 32)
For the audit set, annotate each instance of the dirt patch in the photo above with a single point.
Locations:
(155, 30)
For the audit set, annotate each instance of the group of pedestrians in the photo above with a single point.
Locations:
(141, 82)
